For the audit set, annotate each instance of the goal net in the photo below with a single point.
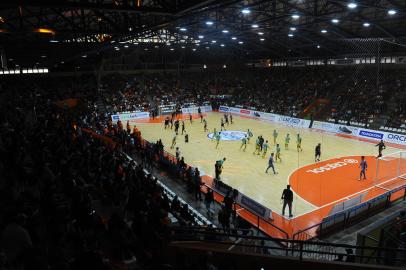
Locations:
(391, 167)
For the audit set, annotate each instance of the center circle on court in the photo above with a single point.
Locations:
(229, 135)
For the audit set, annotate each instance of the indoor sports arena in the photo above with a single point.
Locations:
(213, 135)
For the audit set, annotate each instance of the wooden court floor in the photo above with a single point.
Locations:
(246, 171)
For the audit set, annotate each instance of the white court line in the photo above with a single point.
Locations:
(383, 188)
(351, 195)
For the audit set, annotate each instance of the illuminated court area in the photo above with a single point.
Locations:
(314, 186)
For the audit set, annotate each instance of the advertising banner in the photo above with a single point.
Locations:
(196, 109)
(129, 116)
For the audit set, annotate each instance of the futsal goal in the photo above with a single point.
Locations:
(390, 167)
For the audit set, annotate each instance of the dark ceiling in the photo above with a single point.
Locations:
(50, 32)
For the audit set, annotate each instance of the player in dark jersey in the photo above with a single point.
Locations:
(381, 146)
(176, 126)
(317, 152)
(222, 125)
(261, 142)
(166, 122)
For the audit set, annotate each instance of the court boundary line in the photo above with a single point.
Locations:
(354, 194)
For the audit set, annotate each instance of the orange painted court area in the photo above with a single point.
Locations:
(323, 185)
(331, 180)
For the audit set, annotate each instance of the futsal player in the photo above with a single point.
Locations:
(231, 118)
(265, 149)
(173, 141)
(363, 165)
(278, 153)
(287, 140)
(199, 111)
(226, 119)
(166, 122)
(176, 126)
(271, 164)
(261, 142)
(183, 127)
(381, 146)
(299, 143)
(257, 146)
(222, 125)
(218, 136)
(244, 143)
(205, 125)
(317, 152)
(190, 118)
(214, 134)
(275, 136)
(249, 135)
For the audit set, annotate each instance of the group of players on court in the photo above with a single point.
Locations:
(261, 145)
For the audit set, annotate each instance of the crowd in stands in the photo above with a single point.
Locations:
(356, 93)
(71, 200)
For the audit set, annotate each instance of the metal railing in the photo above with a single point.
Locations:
(302, 250)
(347, 217)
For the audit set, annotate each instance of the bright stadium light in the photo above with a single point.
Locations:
(233, 38)
(391, 12)
(260, 33)
(290, 35)
(172, 49)
(366, 24)
(255, 25)
(183, 29)
(292, 29)
(222, 45)
(213, 41)
(240, 42)
(261, 39)
(245, 11)
(209, 23)
(225, 31)
(335, 21)
(318, 46)
(194, 49)
(323, 31)
(352, 5)
(200, 37)
(295, 16)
